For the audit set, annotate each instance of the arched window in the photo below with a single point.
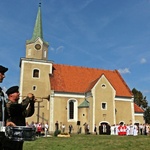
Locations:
(35, 73)
(71, 110)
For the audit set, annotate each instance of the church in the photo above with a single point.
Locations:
(73, 94)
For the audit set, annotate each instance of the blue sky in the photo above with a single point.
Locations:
(104, 34)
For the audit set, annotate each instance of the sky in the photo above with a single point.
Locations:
(104, 34)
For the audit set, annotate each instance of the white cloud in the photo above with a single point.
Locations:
(143, 61)
(60, 49)
(124, 71)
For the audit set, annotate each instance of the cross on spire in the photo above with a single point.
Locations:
(40, 3)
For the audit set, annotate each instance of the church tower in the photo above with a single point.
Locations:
(35, 72)
(37, 48)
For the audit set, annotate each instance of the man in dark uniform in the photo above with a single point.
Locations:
(2, 105)
(3, 113)
(17, 114)
(2, 76)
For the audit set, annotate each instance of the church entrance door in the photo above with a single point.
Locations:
(104, 128)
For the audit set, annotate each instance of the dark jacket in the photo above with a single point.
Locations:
(2, 104)
(18, 112)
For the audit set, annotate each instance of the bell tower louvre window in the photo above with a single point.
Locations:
(35, 73)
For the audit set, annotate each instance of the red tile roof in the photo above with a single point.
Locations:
(76, 79)
(138, 109)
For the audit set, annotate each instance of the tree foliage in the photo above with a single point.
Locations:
(147, 115)
(139, 99)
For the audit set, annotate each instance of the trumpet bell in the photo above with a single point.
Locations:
(48, 97)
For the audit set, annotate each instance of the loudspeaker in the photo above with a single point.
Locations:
(78, 123)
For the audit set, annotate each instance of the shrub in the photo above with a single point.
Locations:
(57, 132)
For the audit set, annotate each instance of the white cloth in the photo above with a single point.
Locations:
(131, 130)
(112, 130)
(135, 130)
(63, 128)
(46, 129)
(116, 129)
(128, 130)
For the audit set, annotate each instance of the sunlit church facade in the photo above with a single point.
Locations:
(73, 94)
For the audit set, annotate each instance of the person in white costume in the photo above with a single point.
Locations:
(112, 130)
(63, 128)
(46, 129)
(128, 130)
(135, 130)
(116, 129)
(131, 129)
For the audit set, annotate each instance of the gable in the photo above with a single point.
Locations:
(76, 79)
(103, 81)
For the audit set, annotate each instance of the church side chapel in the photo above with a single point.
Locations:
(73, 95)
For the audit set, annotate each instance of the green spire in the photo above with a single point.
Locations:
(38, 25)
(38, 32)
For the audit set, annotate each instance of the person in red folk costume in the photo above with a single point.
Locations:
(39, 129)
(120, 129)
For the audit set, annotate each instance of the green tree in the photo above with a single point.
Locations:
(139, 99)
(147, 115)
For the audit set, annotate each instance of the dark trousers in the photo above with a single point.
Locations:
(141, 131)
(12, 145)
(2, 137)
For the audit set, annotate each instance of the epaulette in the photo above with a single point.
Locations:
(9, 102)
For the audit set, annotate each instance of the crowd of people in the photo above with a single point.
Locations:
(106, 129)
(123, 129)
(119, 129)
(41, 128)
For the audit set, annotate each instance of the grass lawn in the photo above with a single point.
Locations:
(90, 142)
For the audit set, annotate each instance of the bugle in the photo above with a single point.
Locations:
(36, 98)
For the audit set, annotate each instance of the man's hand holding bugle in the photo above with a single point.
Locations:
(31, 97)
